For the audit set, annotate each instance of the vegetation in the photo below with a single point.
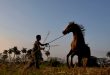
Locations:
(108, 54)
(13, 61)
(48, 70)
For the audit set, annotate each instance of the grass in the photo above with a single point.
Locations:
(48, 70)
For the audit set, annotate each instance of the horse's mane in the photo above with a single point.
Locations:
(81, 27)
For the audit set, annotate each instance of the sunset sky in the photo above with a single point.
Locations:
(22, 20)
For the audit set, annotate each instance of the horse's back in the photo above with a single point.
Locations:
(85, 51)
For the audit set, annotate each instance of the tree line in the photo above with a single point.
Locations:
(15, 55)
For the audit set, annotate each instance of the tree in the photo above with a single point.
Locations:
(28, 54)
(0, 55)
(4, 57)
(5, 52)
(108, 54)
(24, 50)
(10, 52)
(16, 52)
(14, 49)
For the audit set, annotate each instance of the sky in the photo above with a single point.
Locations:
(22, 20)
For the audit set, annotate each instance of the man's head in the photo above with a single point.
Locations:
(38, 37)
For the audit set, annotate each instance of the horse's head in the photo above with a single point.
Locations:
(69, 28)
(73, 27)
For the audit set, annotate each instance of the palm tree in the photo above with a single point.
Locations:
(5, 56)
(10, 52)
(24, 50)
(0, 56)
(14, 49)
(28, 54)
(5, 52)
(16, 52)
(108, 54)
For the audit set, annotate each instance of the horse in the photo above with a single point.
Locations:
(78, 45)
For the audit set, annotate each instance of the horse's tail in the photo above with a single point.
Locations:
(88, 49)
(88, 55)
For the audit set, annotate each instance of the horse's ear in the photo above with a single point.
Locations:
(72, 22)
(82, 27)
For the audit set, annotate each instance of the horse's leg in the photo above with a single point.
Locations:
(88, 52)
(72, 59)
(68, 58)
(79, 60)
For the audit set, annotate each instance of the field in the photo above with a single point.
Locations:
(48, 70)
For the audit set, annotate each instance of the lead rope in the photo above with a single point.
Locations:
(56, 39)
(47, 52)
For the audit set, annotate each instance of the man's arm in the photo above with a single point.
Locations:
(43, 44)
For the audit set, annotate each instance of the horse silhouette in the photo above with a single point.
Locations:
(78, 45)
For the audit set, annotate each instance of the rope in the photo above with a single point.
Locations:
(47, 51)
(56, 39)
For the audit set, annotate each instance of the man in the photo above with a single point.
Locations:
(36, 53)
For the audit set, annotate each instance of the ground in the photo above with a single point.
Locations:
(48, 70)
